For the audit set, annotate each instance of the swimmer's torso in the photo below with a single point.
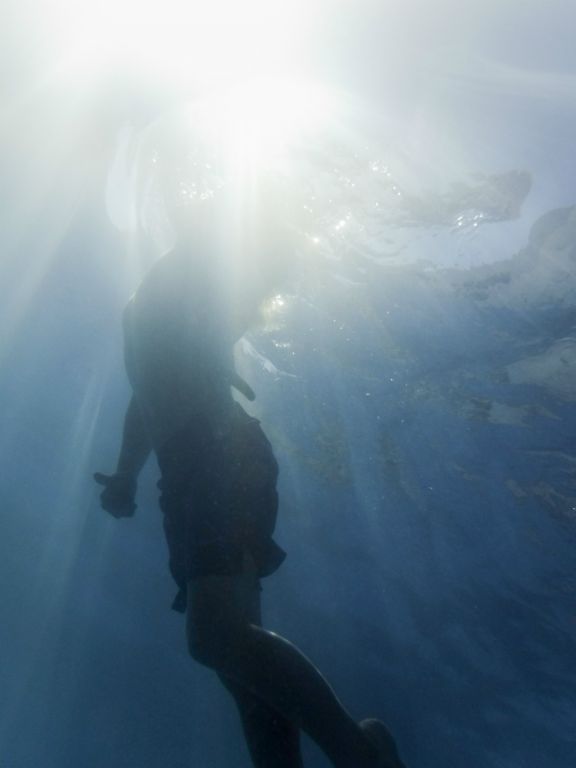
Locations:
(179, 343)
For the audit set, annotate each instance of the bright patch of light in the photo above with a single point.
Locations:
(273, 313)
(278, 301)
(256, 122)
(198, 43)
(235, 147)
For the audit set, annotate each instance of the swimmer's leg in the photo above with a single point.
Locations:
(221, 636)
(272, 740)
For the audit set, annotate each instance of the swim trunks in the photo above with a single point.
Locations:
(219, 499)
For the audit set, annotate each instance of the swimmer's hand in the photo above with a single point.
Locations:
(117, 498)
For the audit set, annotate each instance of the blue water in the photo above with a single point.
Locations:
(417, 381)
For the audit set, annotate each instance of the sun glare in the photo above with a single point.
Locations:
(122, 78)
(236, 63)
(197, 43)
(256, 122)
(235, 147)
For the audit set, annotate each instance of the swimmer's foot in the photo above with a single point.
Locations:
(381, 737)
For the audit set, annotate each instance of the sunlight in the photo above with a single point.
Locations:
(233, 147)
(255, 122)
(199, 44)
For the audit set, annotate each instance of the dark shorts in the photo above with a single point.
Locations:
(219, 500)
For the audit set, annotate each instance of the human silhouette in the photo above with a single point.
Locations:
(218, 490)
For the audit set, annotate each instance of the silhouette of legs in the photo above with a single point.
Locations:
(291, 692)
(273, 741)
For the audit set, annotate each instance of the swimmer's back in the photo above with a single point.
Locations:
(178, 345)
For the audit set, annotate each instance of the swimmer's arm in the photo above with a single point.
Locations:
(119, 492)
(136, 447)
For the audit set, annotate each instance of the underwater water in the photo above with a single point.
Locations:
(417, 380)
